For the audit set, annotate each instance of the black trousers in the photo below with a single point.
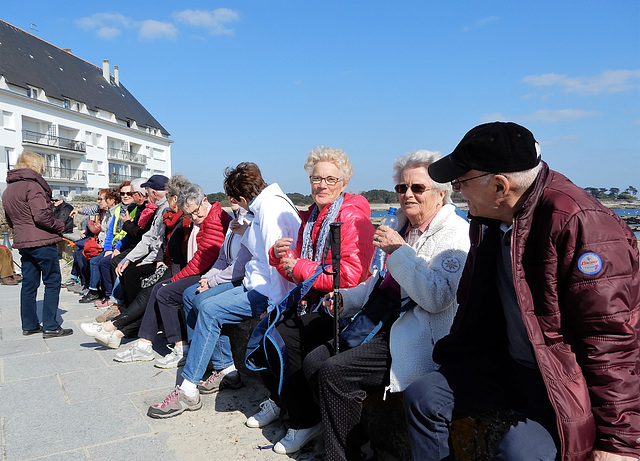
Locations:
(301, 335)
(130, 280)
(341, 383)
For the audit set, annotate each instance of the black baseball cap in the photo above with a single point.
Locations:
(156, 182)
(497, 147)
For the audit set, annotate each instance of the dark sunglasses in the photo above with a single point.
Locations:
(126, 194)
(415, 188)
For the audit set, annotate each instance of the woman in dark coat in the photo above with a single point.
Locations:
(27, 205)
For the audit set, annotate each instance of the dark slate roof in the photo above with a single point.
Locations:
(27, 60)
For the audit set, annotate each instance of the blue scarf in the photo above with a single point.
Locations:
(307, 240)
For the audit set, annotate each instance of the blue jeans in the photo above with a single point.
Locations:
(478, 384)
(40, 262)
(95, 278)
(230, 305)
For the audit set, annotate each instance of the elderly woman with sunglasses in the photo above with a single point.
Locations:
(426, 256)
(329, 173)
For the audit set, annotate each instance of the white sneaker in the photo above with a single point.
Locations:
(134, 354)
(268, 413)
(296, 439)
(109, 339)
(173, 359)
(91, 328)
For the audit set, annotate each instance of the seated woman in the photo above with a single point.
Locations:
(329, 173)
(274, 217)
(127, 322)
(425, 263)
(109, 201)
(209, 224)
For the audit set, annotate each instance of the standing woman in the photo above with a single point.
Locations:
(27, 205)
(329, 173)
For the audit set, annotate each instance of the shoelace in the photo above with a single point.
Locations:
(213, 377)
(173, 397)
(291, 434)
(265, 407)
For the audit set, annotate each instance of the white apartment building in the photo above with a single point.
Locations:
(91, 131)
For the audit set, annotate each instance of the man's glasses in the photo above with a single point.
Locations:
(455, 184)
(415, 188)
(126, 194)
(330, 180)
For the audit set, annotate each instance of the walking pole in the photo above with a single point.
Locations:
(335, 266)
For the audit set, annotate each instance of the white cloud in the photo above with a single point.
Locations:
(151, 29)
(215, 21)
(106, 25)
(607, 82)
(481, 23)
(562, 115)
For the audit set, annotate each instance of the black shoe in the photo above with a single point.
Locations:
(57, 333)
(89, 297)
(32, 332)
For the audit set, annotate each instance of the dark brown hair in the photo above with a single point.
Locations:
(245, 180)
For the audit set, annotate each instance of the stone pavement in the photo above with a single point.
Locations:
(66, 399)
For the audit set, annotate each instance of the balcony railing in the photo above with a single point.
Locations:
(65, 174)
(120, 154)
(46, 139)
(116, 179)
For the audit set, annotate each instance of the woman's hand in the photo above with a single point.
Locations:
(288, 264)
(282, 248)
(115, 253)
(387, 239)
(124, 217)
(238, 228)
(204, 286)
(597, 455)
(327, 302)
(107, 253)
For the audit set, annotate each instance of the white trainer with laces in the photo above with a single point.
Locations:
(297, 438)
(91, 328)
(134, 354)
(268, 413)
(173, 359)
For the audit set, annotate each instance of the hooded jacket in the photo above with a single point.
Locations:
(28, 209)
(575, 273)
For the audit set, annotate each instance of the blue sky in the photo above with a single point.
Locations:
(266, 81)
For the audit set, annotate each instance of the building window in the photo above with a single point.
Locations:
(32, 93)
(66, 104)
(88, 138)
(7, 120)
(98, 140)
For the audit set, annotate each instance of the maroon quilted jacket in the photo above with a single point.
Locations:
(27, 206)
(575, 268)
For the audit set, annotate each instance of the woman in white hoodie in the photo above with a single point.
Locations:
(426, 256)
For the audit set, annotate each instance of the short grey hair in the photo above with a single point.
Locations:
(175, 184)
(519, 179)
(416, 159)
(190, 194)
(328, 154)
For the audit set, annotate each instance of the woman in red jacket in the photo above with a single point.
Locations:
(303, 330)
(27, 205)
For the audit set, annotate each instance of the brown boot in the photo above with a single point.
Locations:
(111, 313)
(9, 281)
(17, 277)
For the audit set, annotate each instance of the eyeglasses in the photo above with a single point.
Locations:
(415, 188)
(190, 214)
(330, 180)
(126, 194)
(455, 184)
(100, 199)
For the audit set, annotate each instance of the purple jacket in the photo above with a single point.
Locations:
(27, 206)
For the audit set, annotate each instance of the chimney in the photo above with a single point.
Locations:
(105, 70)
(116, 75)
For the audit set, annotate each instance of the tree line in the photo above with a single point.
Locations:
(602, 193)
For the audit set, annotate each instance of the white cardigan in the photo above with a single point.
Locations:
(429, 273)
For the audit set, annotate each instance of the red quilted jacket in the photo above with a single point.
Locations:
(208, 241)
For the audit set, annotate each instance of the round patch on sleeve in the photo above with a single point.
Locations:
(451, 265)
(590, 263)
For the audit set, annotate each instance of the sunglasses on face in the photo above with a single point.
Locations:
(126, 194)
(415, 188)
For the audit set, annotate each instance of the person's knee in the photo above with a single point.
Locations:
(418, 396)
(526, 441)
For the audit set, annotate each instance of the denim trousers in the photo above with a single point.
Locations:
(228, 306)
(95, 277)
(488, 382)
(104, 266)
(40, 262)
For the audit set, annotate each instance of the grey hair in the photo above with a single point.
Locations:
(416, 159)
(328, 154)
(519, 179)
(190, 194)
(175, 184)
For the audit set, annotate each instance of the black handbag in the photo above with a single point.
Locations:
(367, 321)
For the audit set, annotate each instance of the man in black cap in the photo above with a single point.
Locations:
(548, 322)
(145, 253)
